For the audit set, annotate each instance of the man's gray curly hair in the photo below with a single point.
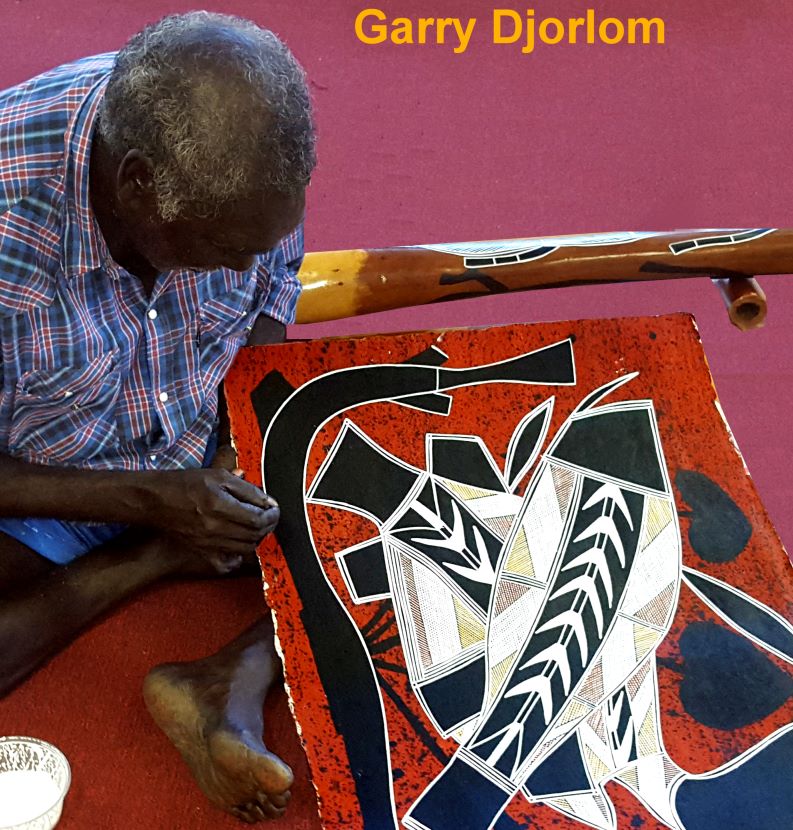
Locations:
(219, 106)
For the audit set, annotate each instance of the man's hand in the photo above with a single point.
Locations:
(212, 511)
(211, 514)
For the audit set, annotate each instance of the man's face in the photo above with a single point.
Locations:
(232, 240)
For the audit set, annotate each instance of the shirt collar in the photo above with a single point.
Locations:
(82, 248)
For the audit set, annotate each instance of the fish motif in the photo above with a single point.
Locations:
(529, 623)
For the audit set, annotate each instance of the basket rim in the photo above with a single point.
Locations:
(26, 739)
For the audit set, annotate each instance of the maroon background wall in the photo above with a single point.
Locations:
(418, 144)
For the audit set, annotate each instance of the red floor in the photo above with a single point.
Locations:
(420, 145)
(88, 703)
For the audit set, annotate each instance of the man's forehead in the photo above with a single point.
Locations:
(263, 209)
(256, 224)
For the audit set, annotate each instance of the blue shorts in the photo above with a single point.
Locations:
(62, 542)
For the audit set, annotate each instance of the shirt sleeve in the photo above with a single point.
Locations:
(281, 285)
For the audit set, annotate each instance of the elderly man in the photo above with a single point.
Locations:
(150, 225)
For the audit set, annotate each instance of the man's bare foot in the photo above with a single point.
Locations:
(215, 725)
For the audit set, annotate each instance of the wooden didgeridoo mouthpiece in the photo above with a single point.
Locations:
(745, 301)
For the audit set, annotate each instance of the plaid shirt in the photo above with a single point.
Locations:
(94, 373)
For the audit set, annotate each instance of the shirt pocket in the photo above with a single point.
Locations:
(229, 316)
(224, 324)
(66, 414)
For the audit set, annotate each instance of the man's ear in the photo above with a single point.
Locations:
(135, 183)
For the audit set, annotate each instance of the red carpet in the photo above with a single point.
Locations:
(88, 703)
(418, 144)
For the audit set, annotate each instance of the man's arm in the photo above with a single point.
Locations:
(210, 510)
(279, 299)
(265, 331)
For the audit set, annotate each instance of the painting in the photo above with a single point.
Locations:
(522, 579)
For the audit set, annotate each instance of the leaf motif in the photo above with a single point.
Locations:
(595, 397)
(520, 454)
(606, 526)
(588, 585)
(541, 685)
(480, 568)
(612, 492)
(430, 517)
(747, 615)
(483, 572)
(575, 621)
(456, 541)
(597, 557)
(557, 654)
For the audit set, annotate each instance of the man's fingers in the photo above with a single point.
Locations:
(213, 505)
(231, 517)
(249, 493)
(235, 500)
(226, 564)
(229, 533)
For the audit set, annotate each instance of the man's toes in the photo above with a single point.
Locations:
(256, 810)
(274, 806)
(243, 815)
(271, 811)
(278, 800)
(261, 810)
(249, 813)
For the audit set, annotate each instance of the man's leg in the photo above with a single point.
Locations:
(44, 606)
(211, 710)
(19, 565)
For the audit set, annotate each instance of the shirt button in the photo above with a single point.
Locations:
(152, 314)
(163, 396)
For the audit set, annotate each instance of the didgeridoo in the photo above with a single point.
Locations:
(339, 284)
